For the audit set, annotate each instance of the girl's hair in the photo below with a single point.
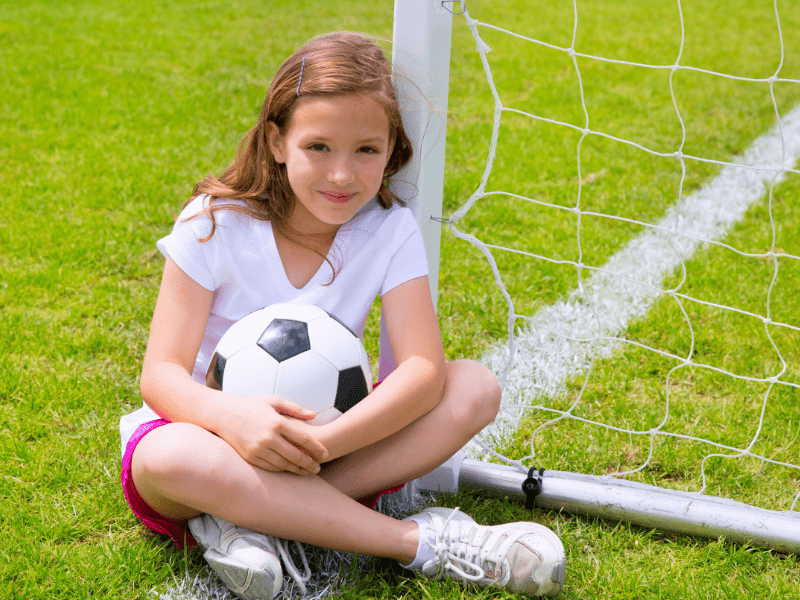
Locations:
(335, 64)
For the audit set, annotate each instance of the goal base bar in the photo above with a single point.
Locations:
(621, 500)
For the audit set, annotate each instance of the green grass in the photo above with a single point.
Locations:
(110, 112)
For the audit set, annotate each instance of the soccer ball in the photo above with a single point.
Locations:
(298, 352)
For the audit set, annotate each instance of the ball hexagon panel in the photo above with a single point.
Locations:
(309, 380)
(285, 338)
(250, 372)
(342, 323)
(244, 332)
(334, 342)
(325, 416)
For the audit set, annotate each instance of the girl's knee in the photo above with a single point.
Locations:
(488, 389)
(164, 466)
(476, 391)
(167, 454)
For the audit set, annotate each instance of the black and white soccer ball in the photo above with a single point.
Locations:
(298, 352)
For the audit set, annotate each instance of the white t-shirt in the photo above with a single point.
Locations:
(374, 252)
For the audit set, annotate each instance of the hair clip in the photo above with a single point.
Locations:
(302, 68)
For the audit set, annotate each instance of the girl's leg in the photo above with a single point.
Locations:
(470, 402)
(181, 470)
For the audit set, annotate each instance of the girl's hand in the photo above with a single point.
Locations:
(270, 432)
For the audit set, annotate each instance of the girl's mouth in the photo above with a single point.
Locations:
(337, 197)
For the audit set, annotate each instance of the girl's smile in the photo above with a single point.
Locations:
(337, 197)
(335, 149)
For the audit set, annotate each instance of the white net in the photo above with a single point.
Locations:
(674, 358)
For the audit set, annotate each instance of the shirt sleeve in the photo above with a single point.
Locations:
(408, 260)
(194, 258)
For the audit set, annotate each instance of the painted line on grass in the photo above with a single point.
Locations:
(548, 353)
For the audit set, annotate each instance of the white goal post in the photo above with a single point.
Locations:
(421, 64)
(421, 55)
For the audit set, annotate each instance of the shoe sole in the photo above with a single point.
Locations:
(559, 570)
(247, 583)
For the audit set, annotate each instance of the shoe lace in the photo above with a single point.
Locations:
(291, 567)
(457, 557)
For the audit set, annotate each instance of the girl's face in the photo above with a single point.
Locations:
(335, 150)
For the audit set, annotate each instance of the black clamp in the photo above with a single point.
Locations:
(532, 487)
(450, 10)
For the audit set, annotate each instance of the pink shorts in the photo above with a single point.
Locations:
(177, 529)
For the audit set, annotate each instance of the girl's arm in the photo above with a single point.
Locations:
(256, 427)
(412, 390)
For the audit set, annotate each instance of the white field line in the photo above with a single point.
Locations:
(548, 350)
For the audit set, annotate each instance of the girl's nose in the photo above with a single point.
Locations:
(342, 171)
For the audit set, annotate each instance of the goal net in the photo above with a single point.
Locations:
(622, 193)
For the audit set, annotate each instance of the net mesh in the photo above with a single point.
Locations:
(695, 411)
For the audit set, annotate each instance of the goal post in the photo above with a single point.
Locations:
(421, 70)
(641, 504)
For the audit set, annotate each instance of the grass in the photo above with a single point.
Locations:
(110, 112)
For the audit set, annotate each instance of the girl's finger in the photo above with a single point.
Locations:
(306, 442)
(294, 454)
(292, 409)
(275, 462)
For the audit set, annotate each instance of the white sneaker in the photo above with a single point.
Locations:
(245, 560)
(522, 557)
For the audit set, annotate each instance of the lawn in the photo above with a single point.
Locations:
(111, 112)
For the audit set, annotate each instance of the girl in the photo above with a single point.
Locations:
(304, 214)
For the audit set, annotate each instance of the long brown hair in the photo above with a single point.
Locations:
(335, 64)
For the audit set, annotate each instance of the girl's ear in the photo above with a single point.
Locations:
(275, 143)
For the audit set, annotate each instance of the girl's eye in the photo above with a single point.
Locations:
(318, 147)
(367, 150)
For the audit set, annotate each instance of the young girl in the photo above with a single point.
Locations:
(304, 214)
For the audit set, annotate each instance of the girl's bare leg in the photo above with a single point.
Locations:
(181, 470)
